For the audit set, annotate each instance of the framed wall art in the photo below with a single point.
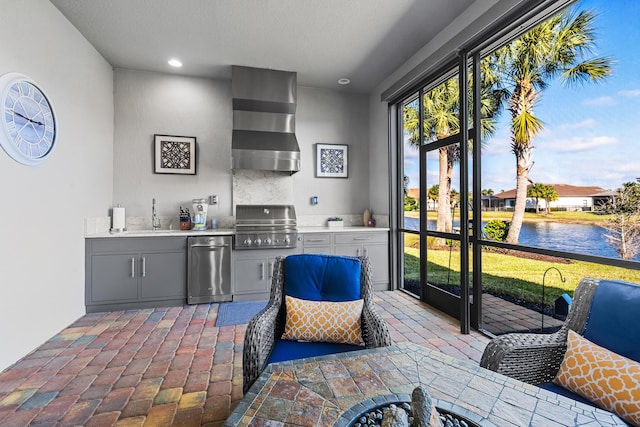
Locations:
(332, 161)
(175, 154)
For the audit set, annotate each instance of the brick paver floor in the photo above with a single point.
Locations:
(500, 316)
(170, 366)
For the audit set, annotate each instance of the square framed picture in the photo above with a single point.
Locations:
(332, 161)
(175, 154)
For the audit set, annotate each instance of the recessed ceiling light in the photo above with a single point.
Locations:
(344, 81)
(175, 63)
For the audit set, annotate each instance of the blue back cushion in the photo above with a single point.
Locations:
(613, 320)
(322, 277)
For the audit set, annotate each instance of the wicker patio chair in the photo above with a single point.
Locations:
(536, 358)
(268, 325)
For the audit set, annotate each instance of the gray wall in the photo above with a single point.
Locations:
(331, 117)
(43, 208)
(152, 103)
(147, 103)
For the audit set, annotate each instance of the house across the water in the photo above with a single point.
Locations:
(570, 198)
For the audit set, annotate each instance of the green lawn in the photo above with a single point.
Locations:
(511, 275)
(582, 217)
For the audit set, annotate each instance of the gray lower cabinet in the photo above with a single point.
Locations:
(253, 270)
(375, 245)
(124, 273)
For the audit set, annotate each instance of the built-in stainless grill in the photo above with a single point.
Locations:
(265, 227)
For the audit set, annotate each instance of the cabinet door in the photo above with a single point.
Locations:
(348, 250)
(163, 275)
(251, 275)
(379, 259)
(270, 266)
(114, 277)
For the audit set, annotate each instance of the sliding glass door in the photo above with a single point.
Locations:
(483, 234)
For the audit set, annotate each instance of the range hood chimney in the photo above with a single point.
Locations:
(264, 105)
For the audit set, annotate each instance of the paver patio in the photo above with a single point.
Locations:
(171, 366)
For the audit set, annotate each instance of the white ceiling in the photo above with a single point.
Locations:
(321, 40)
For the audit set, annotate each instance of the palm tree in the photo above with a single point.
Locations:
(559, 47)
(537, 192)
(441, 120)
(549, 194)
(433, 192)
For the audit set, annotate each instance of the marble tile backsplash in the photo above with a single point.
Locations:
(97, 225)
(261, 187)
(350, 220)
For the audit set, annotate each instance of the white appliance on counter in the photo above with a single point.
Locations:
(199, 220)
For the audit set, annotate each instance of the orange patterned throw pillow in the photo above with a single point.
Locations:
(609, 380)
(323, 321)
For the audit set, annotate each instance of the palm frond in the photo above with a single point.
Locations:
(592, 70)
(525, 126)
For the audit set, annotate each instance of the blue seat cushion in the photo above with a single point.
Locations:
(566, 393)
(613, 318)
(322, 277)
(289, 350)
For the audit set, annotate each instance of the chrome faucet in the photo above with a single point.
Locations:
(155, 221)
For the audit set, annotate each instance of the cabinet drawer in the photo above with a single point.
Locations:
(129, 244)
(360, 238)
(325, 250)
(317, 239)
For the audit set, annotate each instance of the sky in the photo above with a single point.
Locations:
(591, 131)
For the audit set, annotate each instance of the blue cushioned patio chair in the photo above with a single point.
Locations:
(603, 311)
(315, 278)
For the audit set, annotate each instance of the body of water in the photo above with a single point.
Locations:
(579, 238)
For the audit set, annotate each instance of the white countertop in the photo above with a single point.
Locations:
(349, 229)
(163, 233)
(226, 232)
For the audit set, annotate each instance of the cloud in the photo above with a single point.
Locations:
(630, 93)
(580, 143)
(496, 146)
(411, 154)
(411, 151)
(602, 101)
(587, 123)
(628, 168)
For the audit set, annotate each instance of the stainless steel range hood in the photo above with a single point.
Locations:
(264, 105)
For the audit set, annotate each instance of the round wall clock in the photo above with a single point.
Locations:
(28, 122)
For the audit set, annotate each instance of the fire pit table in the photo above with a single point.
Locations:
(338, 389)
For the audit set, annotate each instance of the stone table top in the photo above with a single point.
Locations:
(333, 390)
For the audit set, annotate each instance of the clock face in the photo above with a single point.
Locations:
(28, 121)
